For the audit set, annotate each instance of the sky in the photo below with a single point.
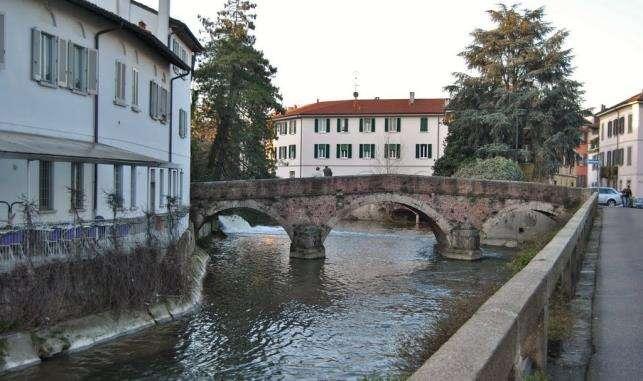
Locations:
(399, 46)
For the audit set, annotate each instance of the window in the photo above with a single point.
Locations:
(161, 187)
(424, 124)
(392, 124)
(183, 123)
(629, 155)
(119, 98)
(603, 131)
(292, 151)
(46, 185)
(392, 151)
(291, 174)
(132, 187)
(322, 125)
(609, 129)
(621, 125)
(135, 104)
(367, 151)
(181, 186)
(322, 151)
(152, 195)
(423, 151)
(367, 125)
(292, 127)
(621, 156)
(344, 151)
(158, 102)
(118, 185)
(283, 152)
(629, 121)
(78, 68)
(342, 125)
(2, 42)
(45, 54)
(77, 186)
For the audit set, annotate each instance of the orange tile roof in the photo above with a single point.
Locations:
(634, 98)
(368, 107)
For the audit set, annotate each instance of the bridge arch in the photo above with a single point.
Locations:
(520, 222)
(221, 206)
(440, 226)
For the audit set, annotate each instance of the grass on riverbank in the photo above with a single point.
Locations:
(529, 251)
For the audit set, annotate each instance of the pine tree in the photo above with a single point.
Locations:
(518, 94)
(236, 95)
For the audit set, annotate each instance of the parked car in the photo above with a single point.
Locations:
(608, 196)
(637, 202)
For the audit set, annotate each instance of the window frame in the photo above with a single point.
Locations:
(118, 185)
(73, 51)
(77, 186)
(136, 87)
(46, 194)
(120, 81)
(51, 59)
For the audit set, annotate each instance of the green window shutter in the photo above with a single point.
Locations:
(337, 153)
(339, 125)
(350, 151)
(361, 125)
(327, 125)
(398, 152)
(385, 124)
(327, 151)
(399, 124)
(361, 151)
(315, 149)
(372, 151)
(373, 125)
(346, 125)
(316, 125)
(429, 149)
(417, 151)
(424, 124)
(386, 151)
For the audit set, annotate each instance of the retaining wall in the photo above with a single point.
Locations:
(508, 334)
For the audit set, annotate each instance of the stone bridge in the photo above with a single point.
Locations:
(460, 211)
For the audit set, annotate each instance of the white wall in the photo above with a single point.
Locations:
(633, 172)
(305, 139)
(27, 106)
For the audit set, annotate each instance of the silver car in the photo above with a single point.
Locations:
(608, 196)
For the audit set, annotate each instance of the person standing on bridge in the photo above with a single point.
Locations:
(327, 171)
(317, 173)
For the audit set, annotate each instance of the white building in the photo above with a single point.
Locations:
(94, 96)
(621, 144)
(358, 137)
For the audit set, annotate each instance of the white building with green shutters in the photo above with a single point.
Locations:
(360, 137)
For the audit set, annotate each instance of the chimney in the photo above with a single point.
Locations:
(603, 107)
(412, 97)
(122, 8)
(163, 21)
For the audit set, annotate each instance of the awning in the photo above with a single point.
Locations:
(16, 145)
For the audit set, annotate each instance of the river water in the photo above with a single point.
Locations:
(265, 316)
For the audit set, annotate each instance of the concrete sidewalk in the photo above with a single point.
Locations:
(618, 303)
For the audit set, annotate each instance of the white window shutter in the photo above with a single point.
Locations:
(2, 43)
(92, 71)
(153, 100)
(70, 65)
(62, 63)
(35, 55)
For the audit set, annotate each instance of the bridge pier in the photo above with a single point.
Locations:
(307, 242)
(464, 244)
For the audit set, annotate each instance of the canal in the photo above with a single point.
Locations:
(266, 316)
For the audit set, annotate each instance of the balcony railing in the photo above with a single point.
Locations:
(45, 242)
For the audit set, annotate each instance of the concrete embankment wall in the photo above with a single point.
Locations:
(22, 349)
(508, 333)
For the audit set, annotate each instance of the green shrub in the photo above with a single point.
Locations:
(497, 168)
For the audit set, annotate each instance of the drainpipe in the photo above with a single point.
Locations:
(96, 46)
(172, 103)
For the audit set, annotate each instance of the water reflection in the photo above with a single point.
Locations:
(265, 316)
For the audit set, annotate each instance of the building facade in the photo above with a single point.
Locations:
(94, 100)
(359, 137)
(621, 144)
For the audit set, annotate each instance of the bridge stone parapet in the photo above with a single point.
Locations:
(309, 208)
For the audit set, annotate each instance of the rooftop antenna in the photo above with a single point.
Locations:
(355, 84)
